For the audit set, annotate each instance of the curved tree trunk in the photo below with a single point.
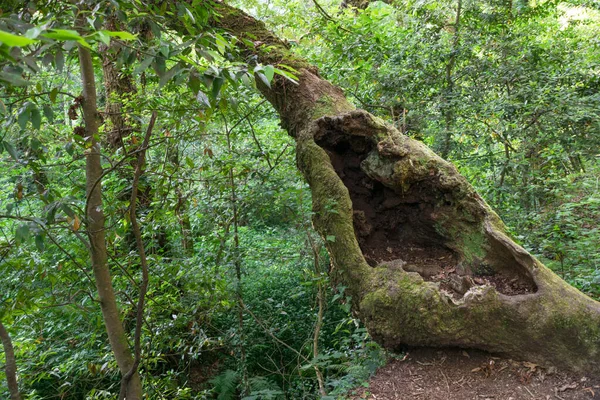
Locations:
(427, 261)
(10, 366)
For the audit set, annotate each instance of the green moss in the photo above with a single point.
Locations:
(473, 245)
(327, 105)
(333, 215)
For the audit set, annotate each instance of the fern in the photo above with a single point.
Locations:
(225, 384)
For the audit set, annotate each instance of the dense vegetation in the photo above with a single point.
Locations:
(238, 301)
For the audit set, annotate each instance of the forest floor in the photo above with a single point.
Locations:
(435, 374)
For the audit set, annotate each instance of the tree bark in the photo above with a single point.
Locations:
(426, 259)
(119, 87)
(95, 229)
(10, 367)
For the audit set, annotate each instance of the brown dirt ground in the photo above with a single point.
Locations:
(455, 374)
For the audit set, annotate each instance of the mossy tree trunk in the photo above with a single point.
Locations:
(428, 263)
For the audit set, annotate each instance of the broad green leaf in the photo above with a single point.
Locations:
(14, 40)
(24, 117)
(269, 72)
(263, 78)
(160, 65)
(168, 75)
(120, 34)
(221, 43)
(59, 60)
(103, 37)
(287, 75)
(216, 86)
(36, 118)
(34, 32)
(22, 233)
(194, 83)
(11, 150)
(48, 113)
(13, 79)
(143, 65)
(67, 210)
(203, 98)
(66, 34)
(63, 34)
(39, 242)
(52, 95)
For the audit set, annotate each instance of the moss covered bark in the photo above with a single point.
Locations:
(425, 258)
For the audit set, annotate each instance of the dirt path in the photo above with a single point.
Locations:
(434, 374)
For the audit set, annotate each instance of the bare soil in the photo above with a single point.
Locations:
(455, 374)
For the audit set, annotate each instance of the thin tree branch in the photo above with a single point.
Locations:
(143, 260)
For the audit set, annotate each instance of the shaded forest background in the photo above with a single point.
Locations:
(239, 302)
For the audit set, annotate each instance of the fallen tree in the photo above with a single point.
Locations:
(427, 261)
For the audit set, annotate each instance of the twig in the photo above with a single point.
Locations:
(329, 17)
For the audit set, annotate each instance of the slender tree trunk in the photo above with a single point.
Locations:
(10, 367)
(139, 320)
(428, 263)
(95, 229)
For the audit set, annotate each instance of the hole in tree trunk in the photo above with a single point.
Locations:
(395, 227)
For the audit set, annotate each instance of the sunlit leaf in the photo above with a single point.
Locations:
(14, 40)
(120, 34)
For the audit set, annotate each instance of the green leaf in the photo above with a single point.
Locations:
(120, 34)
(263, 78)
(287, 75)
(194, 82)
(269, 72)
(67, 210)
(53, 93)
(24, 117)
(48, 113)
(168, 75)
(203, 98)
(34, 32)
(39, 242)
(36, 118)
(14, 79)
(143, 65)
(160, 65)
(66, 34)
(22, 233)
(11, 150)
(59, 60)
(221, 43)
(216, 86)
(14, 40)
(330, 238)
(103, 37)
(63, 34)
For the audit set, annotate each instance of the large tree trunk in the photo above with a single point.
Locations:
(427, 261)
